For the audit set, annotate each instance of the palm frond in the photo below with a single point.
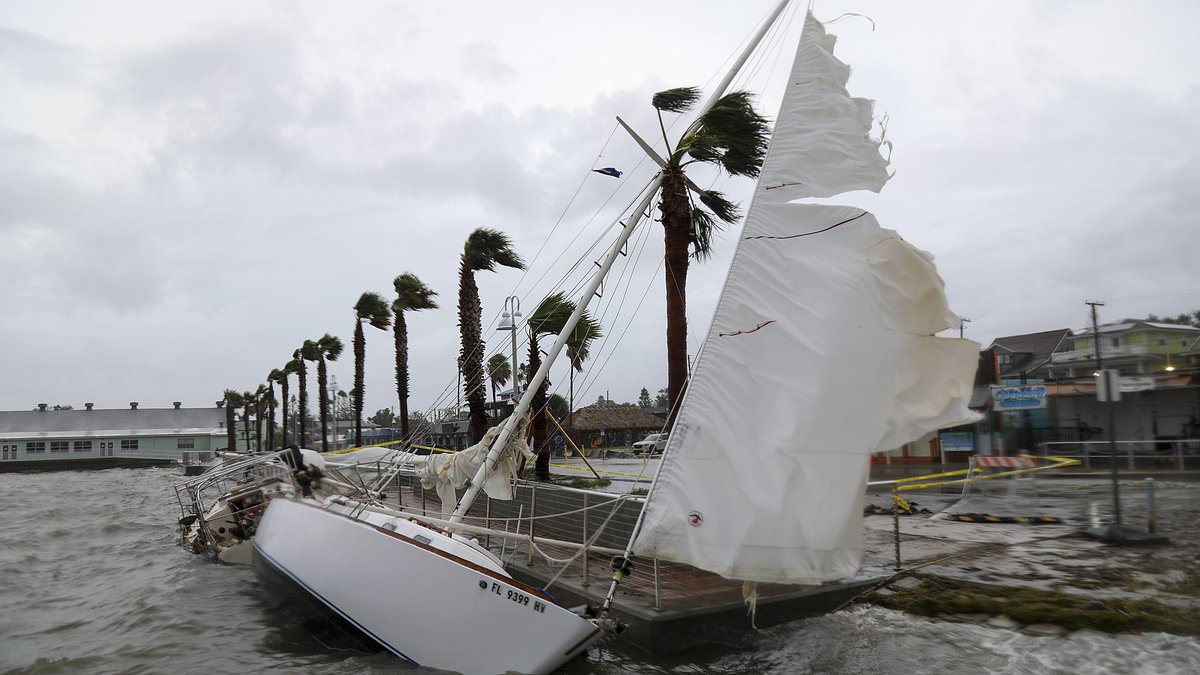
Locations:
(276, 375)
(725, 210)
(331, 347)
(485, 248)
(551, 315)
(580, 341)
(703, 224)
(413, 294)
(372, 308)
(499, 369)
(732, 134)
(309, 350)
(680, 99)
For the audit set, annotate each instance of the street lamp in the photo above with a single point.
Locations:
(509, 320)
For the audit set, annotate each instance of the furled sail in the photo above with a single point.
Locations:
(821, 352)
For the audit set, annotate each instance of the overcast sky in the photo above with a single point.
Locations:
(190, 190)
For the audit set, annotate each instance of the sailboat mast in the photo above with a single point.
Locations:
(522, 407)
(716, 95)
(589, 292)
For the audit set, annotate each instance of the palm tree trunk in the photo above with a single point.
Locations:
(258, 426)
(677, 224)
(283, 406)
(230, 429)
(322, 389)
(302, 412)
(246, 424)
(360, 348)
(271, 416)
(541, 440)
(470, 320)
(400, 328)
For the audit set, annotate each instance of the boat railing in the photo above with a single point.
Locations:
(574, 532)
(195, 494)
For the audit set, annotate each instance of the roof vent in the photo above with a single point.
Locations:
(177, 404)
(133, 405)
(42, 406)
(88, 405)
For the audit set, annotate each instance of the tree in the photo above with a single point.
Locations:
(327, 348)
(661, 401)
(249, 403)
(233, 400)
(1192, 319)
(287, 369)
(384, 417)
(730, 135)
(276, 375)
(372, 308)
(261, 403)
(484, 249)
(306, 352)
(550, 318)
(412, 295)
(273, 377)
(558, 406)
(644, 401)
(499, 370)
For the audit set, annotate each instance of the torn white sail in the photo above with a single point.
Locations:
(821, 352)
(822, 144)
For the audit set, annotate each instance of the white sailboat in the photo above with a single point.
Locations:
(821, 352)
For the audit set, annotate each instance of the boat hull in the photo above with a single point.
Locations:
(423, 604)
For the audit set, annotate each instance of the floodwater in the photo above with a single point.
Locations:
(91, 581)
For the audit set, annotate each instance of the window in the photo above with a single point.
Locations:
(83, 446)
(128, 444)
(60, 446)
(186, 443)
(1162, 342)
(34, 447)
(1116, 342)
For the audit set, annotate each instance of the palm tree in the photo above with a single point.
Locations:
(412, 296)
(499, 370)
(249, 403)
(276, 375)
(328, 348)
(549, 319)
(287, 369)
(261, 403)
(372, 308)
(233, 400)
(306, 352)
(732, 136)
(578, 350)
(483, 250)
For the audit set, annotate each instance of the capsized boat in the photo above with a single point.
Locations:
(822, 351)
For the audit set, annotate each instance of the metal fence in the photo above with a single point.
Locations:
(1177, 454)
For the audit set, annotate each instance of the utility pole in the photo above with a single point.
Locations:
(1102, 380)
(963, 321)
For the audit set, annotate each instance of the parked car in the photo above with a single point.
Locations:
(652, 444)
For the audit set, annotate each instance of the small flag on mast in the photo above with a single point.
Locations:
(608, 171)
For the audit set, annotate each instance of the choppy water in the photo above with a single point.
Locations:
(91, 581)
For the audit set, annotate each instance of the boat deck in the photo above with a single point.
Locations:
(666, 606)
